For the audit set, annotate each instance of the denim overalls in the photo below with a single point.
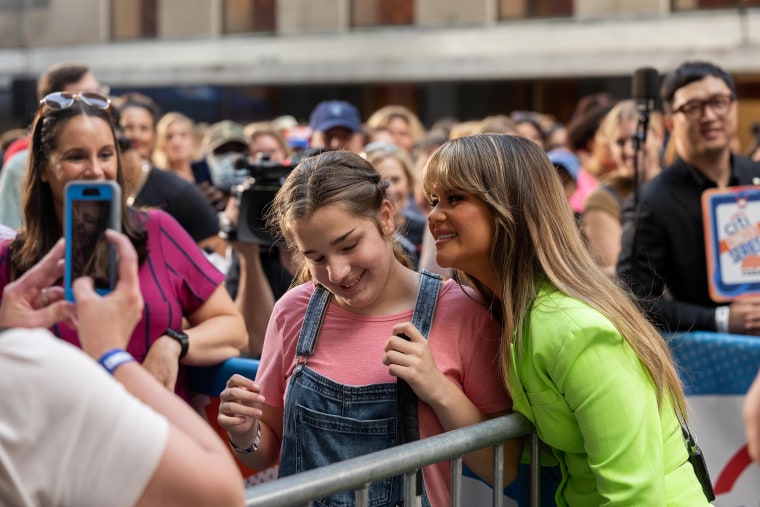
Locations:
(326, 422)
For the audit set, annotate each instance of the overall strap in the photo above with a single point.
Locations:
(427, 300)
(312, 321)
(422, 319)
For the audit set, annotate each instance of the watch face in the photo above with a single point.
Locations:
(181, 338)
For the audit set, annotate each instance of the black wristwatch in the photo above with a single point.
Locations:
(181, 338)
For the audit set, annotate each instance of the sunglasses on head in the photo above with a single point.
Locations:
(64, 100)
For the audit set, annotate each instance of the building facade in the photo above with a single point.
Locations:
(254, 59)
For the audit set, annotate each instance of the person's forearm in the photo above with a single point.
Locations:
(268, 450)
(671, 315)
(147, 389)
(455, 410)
(267, 453)
(214, 340)
(255, 302)
(211, 477)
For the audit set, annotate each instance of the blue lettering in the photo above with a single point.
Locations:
(751, 247)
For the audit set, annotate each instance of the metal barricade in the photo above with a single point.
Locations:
(358, 473)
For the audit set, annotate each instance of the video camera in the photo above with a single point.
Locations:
(255, 195)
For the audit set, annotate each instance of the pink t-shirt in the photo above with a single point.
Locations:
(586, 185)
(464, 341)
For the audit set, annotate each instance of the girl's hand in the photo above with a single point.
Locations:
(412, 361)
(240, 408)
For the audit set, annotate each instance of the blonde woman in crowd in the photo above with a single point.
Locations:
(266, 142)
(403, 125)
(176, 145)
(602, 214)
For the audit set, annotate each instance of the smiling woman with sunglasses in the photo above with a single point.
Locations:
(188, 318)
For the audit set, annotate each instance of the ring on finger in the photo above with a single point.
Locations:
(45, 301)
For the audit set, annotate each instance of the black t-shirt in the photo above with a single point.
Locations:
(662, 257)
(182, 200)
(278, 277)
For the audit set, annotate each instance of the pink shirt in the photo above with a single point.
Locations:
(586, 185)
(464, 341)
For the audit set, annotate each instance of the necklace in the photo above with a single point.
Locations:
(144, 170)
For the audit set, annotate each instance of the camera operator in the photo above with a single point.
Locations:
(247, 281)
(260, 272)
(223, 145)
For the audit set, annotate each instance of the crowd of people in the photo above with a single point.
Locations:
(511, 263)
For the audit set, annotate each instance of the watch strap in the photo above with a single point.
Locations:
(182, 338)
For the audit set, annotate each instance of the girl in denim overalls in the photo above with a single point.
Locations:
(326, 387)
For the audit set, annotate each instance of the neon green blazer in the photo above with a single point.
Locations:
(592, 402)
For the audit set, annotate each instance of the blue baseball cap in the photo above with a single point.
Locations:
(566, 159)
(335, 113)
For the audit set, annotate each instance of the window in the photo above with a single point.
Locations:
(246, 16)
(134, 20)
(684, 5)
(381, 12)
(519, 9)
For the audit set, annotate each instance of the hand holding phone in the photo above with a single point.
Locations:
(91, 207)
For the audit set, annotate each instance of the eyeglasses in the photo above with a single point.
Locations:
(64, 100)
(693, 109)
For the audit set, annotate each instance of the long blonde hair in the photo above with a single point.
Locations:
(624, 111)
(537, 236)
(383, 116)
(160, 157)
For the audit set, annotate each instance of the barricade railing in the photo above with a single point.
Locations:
(358, 473)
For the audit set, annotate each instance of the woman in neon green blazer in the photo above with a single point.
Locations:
(580, 360)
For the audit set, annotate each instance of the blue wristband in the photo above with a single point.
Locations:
(114, 358)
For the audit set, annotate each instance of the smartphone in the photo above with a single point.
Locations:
(90, 208)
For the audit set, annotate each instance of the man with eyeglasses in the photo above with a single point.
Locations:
(60, 77)
(663, 257)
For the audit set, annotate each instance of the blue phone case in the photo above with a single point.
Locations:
(90, 208)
